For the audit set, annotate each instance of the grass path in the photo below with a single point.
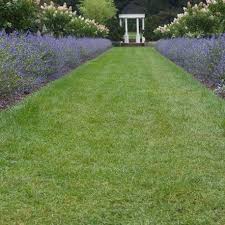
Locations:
(126, 139)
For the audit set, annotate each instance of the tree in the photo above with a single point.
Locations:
(99, 10)
(116, 32)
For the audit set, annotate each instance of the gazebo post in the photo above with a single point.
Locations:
(121, 22)
(143, 28)
(143, 23)
(126, 36)
(138, 31)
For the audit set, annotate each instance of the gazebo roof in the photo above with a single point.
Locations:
(131, 16)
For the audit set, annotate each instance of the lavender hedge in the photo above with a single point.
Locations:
(203, 57)
(28, 60)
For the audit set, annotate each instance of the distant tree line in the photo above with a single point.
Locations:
(151, 6)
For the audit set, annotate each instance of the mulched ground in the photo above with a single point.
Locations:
(9, 101)
(212, 85)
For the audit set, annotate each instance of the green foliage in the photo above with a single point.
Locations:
(8, 84)
(75, 3)
(23, 15)
(198, 20)
(151, 7)
(18, 14)
(152, 22)
(10, 81)
(81, 27)
(199, 23)
(62, 21)
(218, 12)
(98, 10)
(116, 32)
(56, 21)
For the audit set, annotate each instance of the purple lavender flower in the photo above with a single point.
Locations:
(30, 59)
(204, 57)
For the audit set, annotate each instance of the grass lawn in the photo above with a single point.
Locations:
(126, 139)
(132, 35)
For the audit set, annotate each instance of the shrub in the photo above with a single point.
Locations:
(217, 9)
(29, 60)
(98, 10)
(8, 81)
(196, 21)
(18, 14)
(56, 19)
(62, 21)
(152, 22)
(116, 32)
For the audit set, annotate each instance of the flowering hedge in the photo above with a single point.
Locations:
(61, 21)
(28, 15)
(26, 61)
(196, 21)
(204, 57)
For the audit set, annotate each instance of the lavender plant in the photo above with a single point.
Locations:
(204, 57)
(28, 60)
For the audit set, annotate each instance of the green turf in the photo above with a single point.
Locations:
(126, 139)
(132, 35)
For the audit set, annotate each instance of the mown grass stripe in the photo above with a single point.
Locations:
(127, 138)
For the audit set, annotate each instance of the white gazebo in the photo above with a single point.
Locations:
(125, 17)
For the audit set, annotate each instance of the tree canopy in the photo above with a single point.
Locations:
(150, 7)
(99, 10)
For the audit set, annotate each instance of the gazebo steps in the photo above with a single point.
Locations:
(132, 44)
(120, 44)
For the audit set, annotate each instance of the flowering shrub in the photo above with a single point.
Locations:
(28, 60)
(204, 57)
(18, 14)
(55, 18)
(61, 21)
(24, 15)
(196, 21)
